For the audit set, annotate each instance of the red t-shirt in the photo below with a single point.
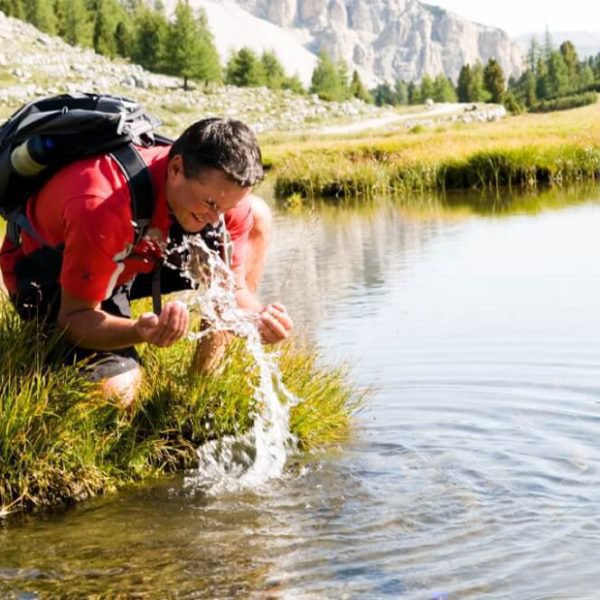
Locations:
(86, 207)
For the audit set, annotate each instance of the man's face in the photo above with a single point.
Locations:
(199, 201)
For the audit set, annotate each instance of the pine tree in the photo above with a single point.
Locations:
(401, 92)
(533, 54)
(558, 75)
(542, 85)
(548, 45)
(569, 54)
(384, 95)
(245, 69)
(413, 93)
(107, 18)
(585, 77)
(294, 84)
(209, 61)
(13, 8)
(41, 14)
(125, 38)
(326, 80)
(464, 87)
(78, 25)
(150, 33)
(426, 91)
(358, 90)
(187, 43)
(443, 89)
(273, 69)
(493, 81)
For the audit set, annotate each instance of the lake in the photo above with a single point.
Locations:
(473, 468)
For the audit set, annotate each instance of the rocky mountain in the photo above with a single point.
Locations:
(382, 39)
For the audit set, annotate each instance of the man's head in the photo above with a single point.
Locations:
(212, 167)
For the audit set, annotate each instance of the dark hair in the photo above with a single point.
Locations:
(224, 144)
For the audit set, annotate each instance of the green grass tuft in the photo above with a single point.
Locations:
(61, 442)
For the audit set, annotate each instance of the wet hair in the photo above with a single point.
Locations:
(224, 144)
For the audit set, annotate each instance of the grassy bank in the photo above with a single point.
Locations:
(60, 442)
(522, 151)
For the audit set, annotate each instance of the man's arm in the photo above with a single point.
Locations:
(274, 323)
(88, 326)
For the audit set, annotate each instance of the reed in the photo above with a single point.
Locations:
(61, 442)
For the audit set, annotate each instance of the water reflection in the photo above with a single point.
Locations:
(346, 253)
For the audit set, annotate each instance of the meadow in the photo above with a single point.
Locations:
(523, 151)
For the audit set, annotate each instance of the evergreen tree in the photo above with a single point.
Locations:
(344, 79)
(383, 95)
(412, 92)
(542, 84)
(529, 89)
(548, 45)
(209, 61)
(493, 80)
(78, 26)
(586, 77)
(294, 84)
(426, 90)
(273, 70)
(150, 34)
(108, 14)
(569, 54)
(464, 87)
(443, 89)
(479, 92)
(13, 8)
(534, 53)
(401, 92)
(245, 69)
(326, 80)
(558, 75)
(186, 46)
(41, 14)
(358, 90)
(125, 38)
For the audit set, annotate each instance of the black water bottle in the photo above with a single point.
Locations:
(32, 156)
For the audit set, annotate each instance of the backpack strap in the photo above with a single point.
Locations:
(141, 189)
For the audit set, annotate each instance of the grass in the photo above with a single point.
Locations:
(522, 151)
(61, 442)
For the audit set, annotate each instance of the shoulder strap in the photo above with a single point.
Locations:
(141, 189)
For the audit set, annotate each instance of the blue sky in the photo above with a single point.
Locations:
(524, 16)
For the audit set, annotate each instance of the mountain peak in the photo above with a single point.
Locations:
(381, 39)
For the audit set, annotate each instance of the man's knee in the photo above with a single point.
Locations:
(124, 387)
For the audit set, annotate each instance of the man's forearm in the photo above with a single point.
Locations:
(248, 301)
(99, 330)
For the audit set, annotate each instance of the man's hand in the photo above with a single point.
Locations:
(166, 329)
(274, 324)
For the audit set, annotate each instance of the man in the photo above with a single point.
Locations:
(85, 289)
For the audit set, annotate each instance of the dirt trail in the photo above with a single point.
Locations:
(392, 117)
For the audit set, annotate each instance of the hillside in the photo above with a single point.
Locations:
(33, 64)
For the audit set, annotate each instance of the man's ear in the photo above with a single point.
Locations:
(175, 166)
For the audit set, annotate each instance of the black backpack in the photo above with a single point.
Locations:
(48, 134)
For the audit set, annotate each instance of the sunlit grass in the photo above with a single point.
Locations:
(524, 151)
(61, 442)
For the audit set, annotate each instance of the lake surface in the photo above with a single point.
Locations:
(473, 471)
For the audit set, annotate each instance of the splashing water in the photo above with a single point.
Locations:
(246, 461)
